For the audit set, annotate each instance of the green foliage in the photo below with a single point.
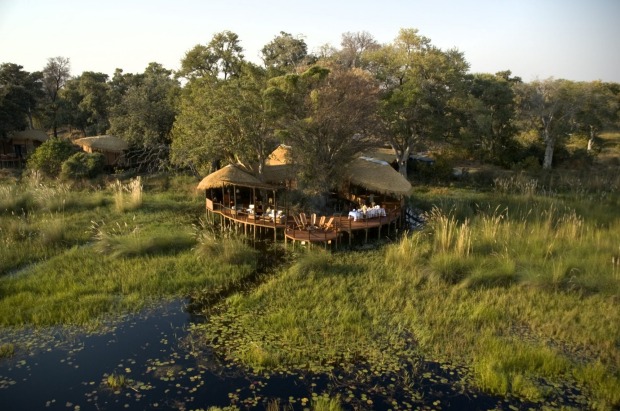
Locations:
(229, 121)
(82, 165)
(20, 97)
(284, 53)
(145, 111)
(50, 155)
(87, 97)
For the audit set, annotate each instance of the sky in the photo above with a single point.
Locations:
(535, 39)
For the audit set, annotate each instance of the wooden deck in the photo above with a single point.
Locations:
(342, 225)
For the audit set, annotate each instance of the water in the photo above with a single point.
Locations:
(68, 371)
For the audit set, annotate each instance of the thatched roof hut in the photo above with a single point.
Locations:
(30, 135)
(22, 143)
(231, 175)
(103, 143)
(378, 176)
(110, 146)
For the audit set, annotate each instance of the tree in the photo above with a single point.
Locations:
(222, 57)
(145, 113)
(491, 113)
(598, 108)
(55, 76)
(82, 165)
(284, 53)
(328, 117)
(229, 120)
(354, 45)
(421, 84)
(49, 156)
(20, 96)
(87, 97)
(548, 107)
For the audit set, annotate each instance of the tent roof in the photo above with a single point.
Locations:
(231, 175)
(376, 175)
(38, 135)
(104, 143)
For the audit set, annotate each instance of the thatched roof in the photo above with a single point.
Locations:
(379, 176)
(279, 156)
(384, 154)
(104, 143)
(277, 174)
(231, 175)
(38, 135)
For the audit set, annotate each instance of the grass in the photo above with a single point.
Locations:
(522, 291)
(517, 286)
(78, 265)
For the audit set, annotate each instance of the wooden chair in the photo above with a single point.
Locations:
(313, 219)
(330, 224)
(298, 222)
(322, 222)
(304, 220)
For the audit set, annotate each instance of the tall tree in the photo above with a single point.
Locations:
(598, 108)
(20, 96)
(229, 120)
(284, 53)
(491, 113)
(55, 76)
(548, 107)
(354, 45)
(328, 118)
(420, 84)
(88, 99)
(145, 112)
(221, 58)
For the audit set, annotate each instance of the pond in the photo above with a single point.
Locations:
(71, 371)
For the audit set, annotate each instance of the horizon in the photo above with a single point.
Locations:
(574, 40)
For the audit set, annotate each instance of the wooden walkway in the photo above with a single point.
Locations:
(252, 225)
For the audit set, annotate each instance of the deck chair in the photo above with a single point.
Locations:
(304, 220)
(330, 224)
(313, 219)
(322, 222)
(298, 222)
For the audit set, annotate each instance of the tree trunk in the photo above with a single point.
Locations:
(549, 153)
(403, 158)
(591, 140)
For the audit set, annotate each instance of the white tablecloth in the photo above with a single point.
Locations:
(370, 213)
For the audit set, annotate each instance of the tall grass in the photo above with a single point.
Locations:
(81, 287)
(523, 292)
(128, 196)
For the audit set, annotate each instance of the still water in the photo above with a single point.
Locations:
(63, 370)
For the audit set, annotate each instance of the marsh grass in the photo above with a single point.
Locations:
(326, 403)
(7, 350)
(117, 382)
(127, 196)
(126, 240)
(81, 287)
(522, 291)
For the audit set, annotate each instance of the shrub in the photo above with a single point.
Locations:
(82, 165)
(48, 158)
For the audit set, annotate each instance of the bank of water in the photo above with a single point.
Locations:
(62, 370)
